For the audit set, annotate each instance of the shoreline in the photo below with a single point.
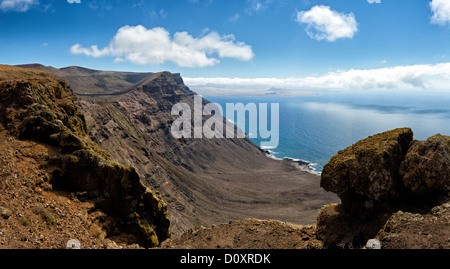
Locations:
(302, 165)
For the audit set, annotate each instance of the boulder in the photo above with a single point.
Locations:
(5, 212)
(365, 175)
(426, 168)
(387, 184)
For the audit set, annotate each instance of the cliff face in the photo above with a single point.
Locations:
(203, 181)
(41, 107)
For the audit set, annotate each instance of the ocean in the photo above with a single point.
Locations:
(314, 128)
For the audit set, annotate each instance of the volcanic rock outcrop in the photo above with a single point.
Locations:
(379, 176)
(41, 107)
(426, 168)
(366, 175)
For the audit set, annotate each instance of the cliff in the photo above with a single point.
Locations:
(62, 179)
(40, 111)
(203, 181)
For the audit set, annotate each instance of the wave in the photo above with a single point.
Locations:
(267, 147)
(302, 164)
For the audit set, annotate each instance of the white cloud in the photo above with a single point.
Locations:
(324, 23)
(374, 1)
(17, 5)
(139, 45)
(255, 6)
(441, 11)
(93, 51)
(74, 1)
(234, 18)
(399, 77)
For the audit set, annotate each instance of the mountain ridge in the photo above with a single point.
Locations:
(204, 181)
(104, 169)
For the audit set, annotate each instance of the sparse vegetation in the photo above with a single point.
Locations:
(46, 214)
(24, 221)
(41, 107)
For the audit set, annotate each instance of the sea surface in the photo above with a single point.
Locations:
(315, 127)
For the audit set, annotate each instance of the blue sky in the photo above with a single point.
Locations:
(300, 44)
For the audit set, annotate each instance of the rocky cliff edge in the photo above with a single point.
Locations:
(393, 188)
(39, 108)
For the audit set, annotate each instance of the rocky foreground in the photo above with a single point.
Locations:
(58, 184)
(45, 145)
(392, 188)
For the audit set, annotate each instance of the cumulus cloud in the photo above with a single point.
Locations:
(441, 12)
(17, 5)
(139, 45)
(374, 1)
(324, 23)
(398, 77)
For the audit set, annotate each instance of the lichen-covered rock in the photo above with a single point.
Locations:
(387, 184)
(366, 175)
(426, 168)
(39, 106)
(43, 108)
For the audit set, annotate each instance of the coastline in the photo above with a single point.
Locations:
(302, 165)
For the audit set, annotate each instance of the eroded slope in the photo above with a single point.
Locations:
(41, 107)
(203, 181)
